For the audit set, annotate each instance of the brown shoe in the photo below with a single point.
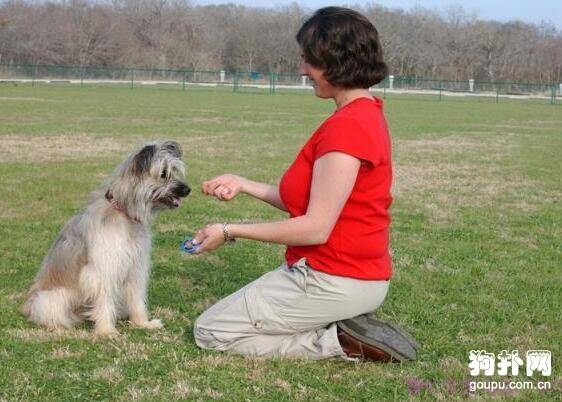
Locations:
(372, 339)
(354, 348)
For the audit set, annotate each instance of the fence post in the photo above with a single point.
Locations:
(553, 95)
(183, 80)
(440, 89)
(222, 75)
(471, 85)
(235, 82)
(272, 79)
(497, 92)
(390, 81)
(81, 77)
(33, 75)
(132, 72)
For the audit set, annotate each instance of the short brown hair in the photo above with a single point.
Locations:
(346, 45)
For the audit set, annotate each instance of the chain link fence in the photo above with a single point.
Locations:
(268, 82)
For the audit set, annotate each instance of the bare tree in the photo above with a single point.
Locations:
(179, 34)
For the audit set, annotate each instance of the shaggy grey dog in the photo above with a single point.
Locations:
(98, 267)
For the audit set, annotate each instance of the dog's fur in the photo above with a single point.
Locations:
(98, 267)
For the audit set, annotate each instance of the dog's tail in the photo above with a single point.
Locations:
(53, 308)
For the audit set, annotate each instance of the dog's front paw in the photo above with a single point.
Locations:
(106, 333)
(155, 324)
(152, 324)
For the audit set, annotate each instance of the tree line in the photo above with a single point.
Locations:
(179, 34)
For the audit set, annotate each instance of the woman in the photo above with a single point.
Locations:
(337, 193)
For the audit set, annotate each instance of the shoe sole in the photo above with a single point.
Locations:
(388, 337)
(406, 335)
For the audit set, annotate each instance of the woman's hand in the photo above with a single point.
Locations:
(210, 238)
(224, 187)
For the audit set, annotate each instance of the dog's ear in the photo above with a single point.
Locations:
(142, 160)
(173, 148)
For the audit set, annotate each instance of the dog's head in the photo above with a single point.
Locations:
(150, 179)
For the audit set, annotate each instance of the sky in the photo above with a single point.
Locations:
(532, 11)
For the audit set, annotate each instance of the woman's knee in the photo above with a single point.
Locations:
(203, 334)
(210, 334)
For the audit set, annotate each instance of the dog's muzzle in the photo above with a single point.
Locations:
(174, 198)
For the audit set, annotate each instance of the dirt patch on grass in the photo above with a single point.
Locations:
(65, 352)
(23, 98)
(77, 146)
(183, 390)
(17, 297)
(444, 175)
(466, 145)
(132, 350)
(216, 360)
(211, 361)
(531, 125)
(42, 334)
(164, 336)
(166, 313)
(17, 148)
(146, 394)
(284, 385)
(111, 374)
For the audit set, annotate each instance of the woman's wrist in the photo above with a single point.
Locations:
(227, 234)
(234, 230)
(244, 185)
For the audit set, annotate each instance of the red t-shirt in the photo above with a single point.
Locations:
(358, 245)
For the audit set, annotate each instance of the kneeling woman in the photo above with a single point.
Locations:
(337, 192)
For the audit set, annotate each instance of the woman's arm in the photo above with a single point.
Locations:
(264, 192)
(333, 179)
(228, 186)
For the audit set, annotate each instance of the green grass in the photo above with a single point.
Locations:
(475, 238)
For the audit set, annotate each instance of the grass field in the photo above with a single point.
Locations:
(476, 241)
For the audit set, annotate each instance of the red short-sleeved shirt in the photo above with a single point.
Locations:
(358, 245)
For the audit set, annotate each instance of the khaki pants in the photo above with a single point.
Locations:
(290, 311)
